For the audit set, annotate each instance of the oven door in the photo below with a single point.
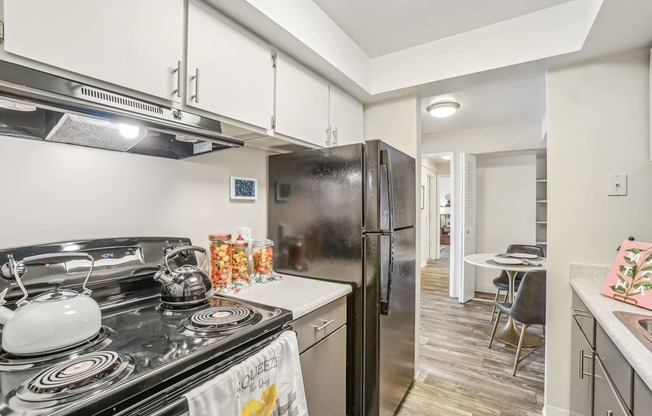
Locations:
(171, 401)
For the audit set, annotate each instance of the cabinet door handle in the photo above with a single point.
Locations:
(328, 136)
(326, 323)
(178, 72)
(610, 413)
(196, 79)
(334, 140)
(580, 312)
(582, 358)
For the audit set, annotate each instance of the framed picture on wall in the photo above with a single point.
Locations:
(244, 188)
(423, 197)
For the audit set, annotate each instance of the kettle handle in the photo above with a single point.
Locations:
(45, 259)
(181, 249)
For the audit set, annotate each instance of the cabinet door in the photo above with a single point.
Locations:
(346, 117)
(581, 384)
(236, 77)
(606, 402)
(323, 367)
(615, 364)
(301, 103)
(642, 397)
(134, 44)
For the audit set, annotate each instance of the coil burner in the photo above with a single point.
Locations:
(216, 320)
(11, 362)
(88, 372)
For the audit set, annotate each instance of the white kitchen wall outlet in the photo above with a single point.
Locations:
(617, 185)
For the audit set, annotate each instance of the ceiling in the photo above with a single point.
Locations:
(489, 55)
(380, 27)
(496, 104)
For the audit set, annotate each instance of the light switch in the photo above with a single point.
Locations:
(617, 185)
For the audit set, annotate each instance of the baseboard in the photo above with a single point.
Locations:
(554, 411)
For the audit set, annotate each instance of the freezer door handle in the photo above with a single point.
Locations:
(385, 303)
(386, 160)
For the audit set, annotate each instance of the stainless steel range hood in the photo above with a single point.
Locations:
(41, 106)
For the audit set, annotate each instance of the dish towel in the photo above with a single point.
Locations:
(269, 383)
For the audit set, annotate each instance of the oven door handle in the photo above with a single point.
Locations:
(177, 407)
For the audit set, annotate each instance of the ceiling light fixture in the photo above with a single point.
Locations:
(443, 109)
(446, 157)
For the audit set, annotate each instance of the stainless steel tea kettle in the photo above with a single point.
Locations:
(186, 285)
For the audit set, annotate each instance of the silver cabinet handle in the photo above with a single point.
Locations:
(196, 79)
(580, 312)
(582, 358)
(178, 72)
(328, 136)
(610, 413)
(334, 140)
(326, 323)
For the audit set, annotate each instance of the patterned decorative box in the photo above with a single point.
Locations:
(630, 277)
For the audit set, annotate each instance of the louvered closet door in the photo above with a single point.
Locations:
(469, 225)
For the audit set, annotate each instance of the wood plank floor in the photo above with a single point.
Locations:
(458, 374)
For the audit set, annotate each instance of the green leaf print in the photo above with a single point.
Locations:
(618, 289)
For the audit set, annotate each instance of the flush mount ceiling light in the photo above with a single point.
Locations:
(443, 109)
(447, 157)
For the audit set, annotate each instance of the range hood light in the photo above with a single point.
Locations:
(12, 105)
(129, 131)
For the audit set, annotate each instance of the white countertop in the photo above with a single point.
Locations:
(299, 294)
(587, 281)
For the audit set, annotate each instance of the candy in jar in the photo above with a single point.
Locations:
(263, 258)
(220, 260)
(240, 259)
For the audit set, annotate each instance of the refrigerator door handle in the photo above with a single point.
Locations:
(385, 303)
(387, 161)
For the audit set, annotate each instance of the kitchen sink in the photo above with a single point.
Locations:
(638, 324)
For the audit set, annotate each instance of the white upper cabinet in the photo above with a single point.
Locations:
(230, 72)
(301, 103)
(134, 44)
(346, 118)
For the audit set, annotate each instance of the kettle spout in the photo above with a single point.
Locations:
(162, 277)
(5, 314)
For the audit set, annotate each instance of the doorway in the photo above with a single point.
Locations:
(437, 208)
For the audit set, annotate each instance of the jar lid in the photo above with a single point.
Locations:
(219, 236)
(266, 242)
(240, 244)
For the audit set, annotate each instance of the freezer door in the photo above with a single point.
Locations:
(389, 338)
(390, 188)
(315, 213)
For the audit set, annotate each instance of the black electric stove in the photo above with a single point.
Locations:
(146, 352)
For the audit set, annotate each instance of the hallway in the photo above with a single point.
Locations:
(458, 374)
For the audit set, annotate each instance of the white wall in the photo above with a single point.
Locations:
(55, 192)
(506, 193)
(396, 122)
(425, 236)
(522, 136)
(589, 137)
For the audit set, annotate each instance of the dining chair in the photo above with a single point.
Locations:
(529, 308)
(502, 281)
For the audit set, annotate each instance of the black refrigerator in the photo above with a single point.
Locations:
(348, 214)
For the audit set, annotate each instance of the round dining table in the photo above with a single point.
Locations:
(508, 333)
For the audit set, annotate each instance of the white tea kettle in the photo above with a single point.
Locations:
(52, 321)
